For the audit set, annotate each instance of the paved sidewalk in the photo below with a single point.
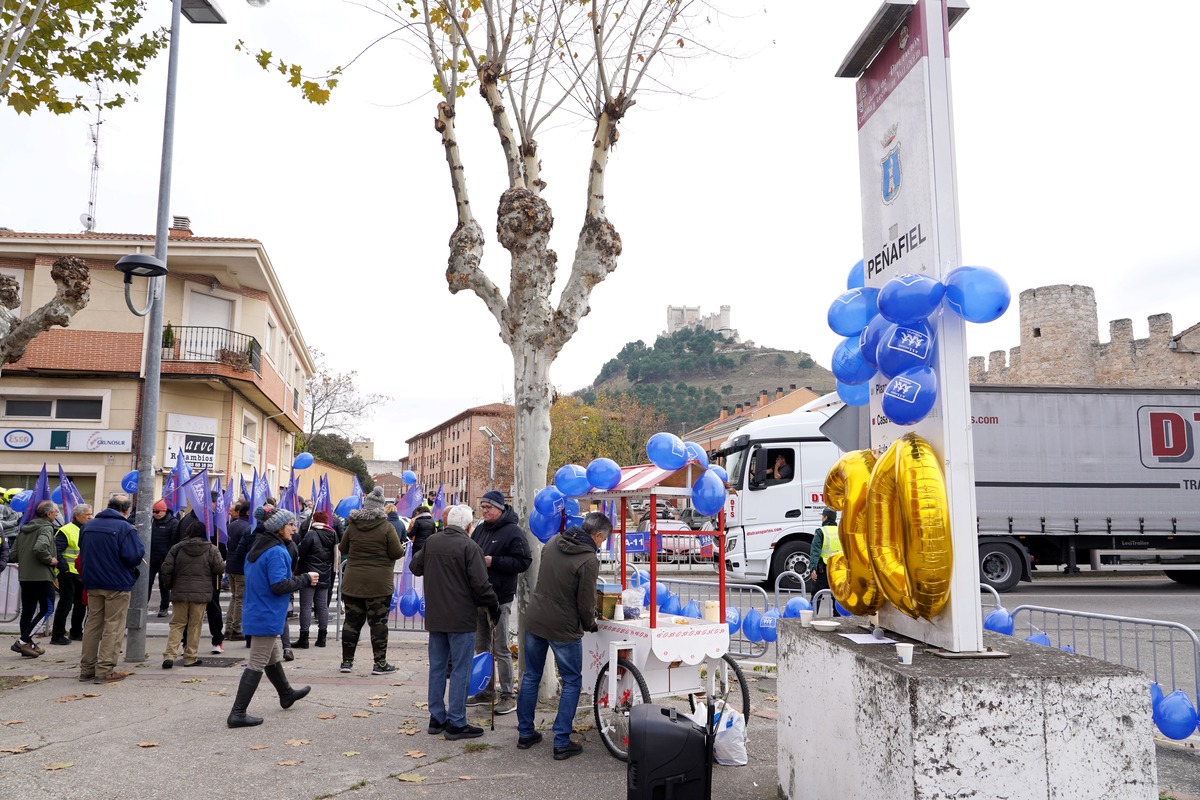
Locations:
(161, 733)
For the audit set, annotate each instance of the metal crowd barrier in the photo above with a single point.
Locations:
(1159, 648)
(10, 594)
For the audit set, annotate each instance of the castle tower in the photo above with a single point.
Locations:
(1059, 334)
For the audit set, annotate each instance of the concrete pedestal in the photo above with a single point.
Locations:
(1041, 724)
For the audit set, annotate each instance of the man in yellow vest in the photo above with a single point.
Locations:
(70, 587)
(824, 544)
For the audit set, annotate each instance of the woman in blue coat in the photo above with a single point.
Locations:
(269, 585)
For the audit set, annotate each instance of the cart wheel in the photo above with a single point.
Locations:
(726, 690)
(613, 720)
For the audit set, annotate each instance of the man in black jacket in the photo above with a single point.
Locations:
(239, 526)
(506, 554)
(164, 534)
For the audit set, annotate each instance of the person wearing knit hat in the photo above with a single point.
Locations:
(372, 548)
(269, 587)
(164, 534)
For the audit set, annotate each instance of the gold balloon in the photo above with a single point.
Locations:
(850, 576)
(885, 540)
(925, 523)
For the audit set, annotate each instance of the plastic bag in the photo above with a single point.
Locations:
(631, 598)
(729, 737)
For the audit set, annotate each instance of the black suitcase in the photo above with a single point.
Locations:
(670, 756)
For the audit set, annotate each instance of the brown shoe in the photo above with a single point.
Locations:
(87, 678)
(111, 677)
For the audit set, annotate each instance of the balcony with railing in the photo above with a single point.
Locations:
(238, 351)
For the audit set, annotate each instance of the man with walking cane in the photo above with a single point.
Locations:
(506, 555)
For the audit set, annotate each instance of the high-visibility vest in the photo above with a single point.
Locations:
(71, 531)
(830, 543)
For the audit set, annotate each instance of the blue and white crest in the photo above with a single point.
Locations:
(903, 389)
(890, 167)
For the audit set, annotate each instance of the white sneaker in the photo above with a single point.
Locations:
(218, 648)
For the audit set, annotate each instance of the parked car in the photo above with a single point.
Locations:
(697, 521)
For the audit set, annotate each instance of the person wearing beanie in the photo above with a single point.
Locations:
(188, 571)
(269, 585)
(421, 527)
(371, 548)
(164, 534)
(506, 555)
(318, 553)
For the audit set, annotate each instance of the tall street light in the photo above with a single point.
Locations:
(492, 440)
(204, 12)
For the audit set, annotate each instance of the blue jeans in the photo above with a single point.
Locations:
(569, 658)
(452, 649)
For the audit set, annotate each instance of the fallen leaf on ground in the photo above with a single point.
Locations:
(298, 742)
(22, 748)
(14, 722)
(377, 704)
(414, 754)
(361, 714)
(420, 704)
(396, 684)
(194, 680)
(147, 744)
(34, 678)
(68, 698)
(582, 727)
(326, 716)
(411, 778)
(219, 693)
(291, 762)
(350, 753)
(90, 694)
(258, 747)
(380, 696)
(464, 777)
(59, 765)
(772, 698)
(409, 731)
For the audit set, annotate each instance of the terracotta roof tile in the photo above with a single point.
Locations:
(96, 236)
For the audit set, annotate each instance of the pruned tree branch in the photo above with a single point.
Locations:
(73, 280)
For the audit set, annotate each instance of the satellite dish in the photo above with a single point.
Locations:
(88, 221)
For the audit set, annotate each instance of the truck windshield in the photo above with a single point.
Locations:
(735, 462)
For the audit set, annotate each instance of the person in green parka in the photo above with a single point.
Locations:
(36, 567)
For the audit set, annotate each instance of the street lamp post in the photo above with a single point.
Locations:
(198, 11)
(492, 439)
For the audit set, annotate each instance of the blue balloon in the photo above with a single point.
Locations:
(549, 501)
(302, 461)
(661, 593)
(692, 609)
(840, 610)
(696, 454)
(708, 494)
(858, 395)
(346, 505)
(56, 495)
(795, 606)
(640, 578)
(408, 476)
(849, 366)
(421, 610)
(574, 520)
(719, 471)
(910, 298)
(1039, 638)
(856, 278)
(666, 451)
(977, 294)
(645, 595)
(905, 347)
(852, 310)
(910, 396)
(604, 474)
(571, 507)
(481, 671)
(571, 480)
(1066, 648)
(20, 501)
(671, 606)
(766, 626)
(410, 602)
(733, 619)
(868, 340)
(750, 625)
(129, 483)
(1000, 621)
(1175, 716)
(1156, 695)
(544, 526)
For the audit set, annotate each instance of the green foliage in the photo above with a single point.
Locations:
(71, 44)
(315, 90)
(806, 363)
(686, 352)
(336, 450)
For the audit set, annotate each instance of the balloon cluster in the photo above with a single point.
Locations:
(555, 505)
(893, 331)
(1173, 714)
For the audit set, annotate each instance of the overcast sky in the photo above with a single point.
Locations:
(1076, 164)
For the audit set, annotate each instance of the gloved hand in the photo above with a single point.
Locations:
(494, 613)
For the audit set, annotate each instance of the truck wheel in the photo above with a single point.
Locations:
(999, 566)
(1184, 576)
(791, 556)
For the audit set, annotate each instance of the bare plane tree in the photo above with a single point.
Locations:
(74, 282)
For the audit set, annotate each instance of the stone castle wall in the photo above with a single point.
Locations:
(680, 317)
(1060, 346)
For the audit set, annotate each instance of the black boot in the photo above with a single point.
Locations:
(302, 641)
(238, 718)
(320, 637)
(287, 695)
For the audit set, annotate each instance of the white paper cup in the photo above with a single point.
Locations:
(618, 612)
(904, 652)
(806, 618)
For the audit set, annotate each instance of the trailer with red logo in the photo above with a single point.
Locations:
(1105, 478)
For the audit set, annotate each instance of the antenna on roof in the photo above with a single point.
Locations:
(89, 219)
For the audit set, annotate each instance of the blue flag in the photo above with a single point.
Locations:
(408, 504)
(178, 477)
(196, 493)
(220, 512)
(41, 493)
(258, 495)
(70, 495)
(245, 491)
(323, 501)
(439, 502)
(356, 491)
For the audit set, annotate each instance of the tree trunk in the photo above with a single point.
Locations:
(74, 282)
